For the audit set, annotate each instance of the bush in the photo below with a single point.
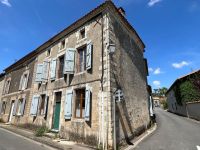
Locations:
(41, 130)
(165, 105)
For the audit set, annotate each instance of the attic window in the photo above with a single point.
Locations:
(62, 44)
(82, 33)
(48, 52)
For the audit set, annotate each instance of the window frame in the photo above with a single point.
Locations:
(19, 107)
(39, 105)
(7, 86)
(84, 49)
(58, 65)
(3, 107)
(24, 83)
(61, 46)
(81, 102)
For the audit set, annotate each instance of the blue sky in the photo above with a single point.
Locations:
(170, 30)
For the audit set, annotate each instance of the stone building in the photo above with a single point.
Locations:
(87, 82)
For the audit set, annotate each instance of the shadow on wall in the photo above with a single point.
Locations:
(123, 119)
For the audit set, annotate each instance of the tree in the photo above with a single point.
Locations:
(160, 92)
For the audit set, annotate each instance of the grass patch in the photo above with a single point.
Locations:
(41, 131)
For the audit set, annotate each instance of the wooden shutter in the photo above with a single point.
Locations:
(15, 107)
(23, 106)
(45, 71)
(68, 104)
(89, 56)
(34, 105)
(87, 103)
(53, 69)
(69, 61)
(39, 72)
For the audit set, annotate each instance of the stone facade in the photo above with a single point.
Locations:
(116, 63)
(15, 94)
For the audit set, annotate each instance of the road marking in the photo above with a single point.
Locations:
(198, 147)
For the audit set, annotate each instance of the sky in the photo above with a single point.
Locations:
(170, 30)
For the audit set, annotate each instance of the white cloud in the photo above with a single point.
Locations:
(181, 64)
(150, 69)
(156, 83)
(157, 71)
(153, 2)
(6, 2)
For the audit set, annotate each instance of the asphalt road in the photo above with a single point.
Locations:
(173, 133)
(11, 141)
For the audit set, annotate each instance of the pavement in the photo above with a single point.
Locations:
(13, 138)
(173, 133)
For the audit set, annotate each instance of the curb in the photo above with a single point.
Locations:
(142, 137)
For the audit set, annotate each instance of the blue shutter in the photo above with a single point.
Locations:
(69, 61)
(87, 103)
(53, 69)
(23, 106)
(38, 77)
(45, 70)
(89, 56)
(34, 105)
(68, 104)
(15, 107)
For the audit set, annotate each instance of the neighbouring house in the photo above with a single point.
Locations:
(183, 97)
(2, 75)
(159, 100)
(88, 82)
(16, 98)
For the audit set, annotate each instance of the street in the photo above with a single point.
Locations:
(173, 133)
(10, 141)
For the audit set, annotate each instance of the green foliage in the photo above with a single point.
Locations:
(165, 105)
(160, 92)
(188, 92)
(40, 131)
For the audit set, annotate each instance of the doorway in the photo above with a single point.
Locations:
(11, 111)
(56, 116)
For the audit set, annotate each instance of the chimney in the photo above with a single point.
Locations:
(122, 11)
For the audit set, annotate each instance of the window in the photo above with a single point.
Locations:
(24, 81)
(3, 108)
(81, 59)
(48, 53)
(61, 67)
(62, 46)
(7, 86)
(19, 107)
(82, 33)
(119, 96)
(80, 103)
(42, 105)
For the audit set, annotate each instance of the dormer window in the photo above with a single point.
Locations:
(82, 33)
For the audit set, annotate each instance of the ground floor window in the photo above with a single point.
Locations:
(19, 107)
(3, 108)
(80, 103)
(42, 105)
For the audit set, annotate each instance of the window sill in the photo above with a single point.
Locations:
(80, 73)
(78, 120)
